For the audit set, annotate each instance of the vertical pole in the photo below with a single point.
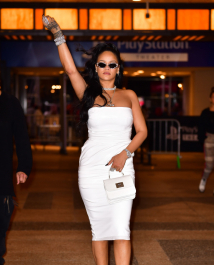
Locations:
(22, 92)
(170, 97)
(163, 95)
(63, 117)
(16, 92)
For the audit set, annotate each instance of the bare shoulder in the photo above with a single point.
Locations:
(131, 94)
(128, 92)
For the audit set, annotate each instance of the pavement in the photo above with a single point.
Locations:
(172, 223)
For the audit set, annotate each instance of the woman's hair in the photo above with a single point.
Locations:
(94, 87)
(212, 91)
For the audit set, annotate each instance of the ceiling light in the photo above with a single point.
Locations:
(136, 0)
(159, 72)
(143, 37)
(177, 38)
(100, 37)
(15, 37)
(150, 37)
(158, 37)
(135, 73)
(135, 38)
(192, 38)
(125, 72)
(115, 37)
(185, 37)
(56, 87)
(52, 91)
(153, 74)
(180, 85)
(199, 38)
(61, 72)
(140, 71)
(162, 76)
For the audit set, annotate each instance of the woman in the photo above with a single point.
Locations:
(206, 136)
(109, 113)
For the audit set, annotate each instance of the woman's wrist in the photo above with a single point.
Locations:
(127, 153)
(53, 26)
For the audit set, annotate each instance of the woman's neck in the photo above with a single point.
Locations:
(107, 84)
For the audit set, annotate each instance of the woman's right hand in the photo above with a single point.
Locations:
(51, 24)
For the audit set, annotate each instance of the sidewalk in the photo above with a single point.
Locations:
(172, 223)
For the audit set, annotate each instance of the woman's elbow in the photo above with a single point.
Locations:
(145, 133)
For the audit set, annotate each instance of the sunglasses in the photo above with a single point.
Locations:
(103, 65)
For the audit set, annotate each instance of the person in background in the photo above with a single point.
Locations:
(12, 124)
(206, 137)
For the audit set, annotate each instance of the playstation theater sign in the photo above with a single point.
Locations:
(189, 134)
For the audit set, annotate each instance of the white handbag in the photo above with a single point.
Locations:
(119, 189)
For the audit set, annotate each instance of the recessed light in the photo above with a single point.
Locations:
(180, 85)
(159, 72)
(125, 72)
(162, 76)
(140, 71)
(135, 73)
(153, 74)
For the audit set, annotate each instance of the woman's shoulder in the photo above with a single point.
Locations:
(130, 93)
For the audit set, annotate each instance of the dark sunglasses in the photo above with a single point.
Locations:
(103, 65)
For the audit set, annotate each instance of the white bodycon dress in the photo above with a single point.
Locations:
(109, 131)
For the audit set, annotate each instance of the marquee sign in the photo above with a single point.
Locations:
(135, 54)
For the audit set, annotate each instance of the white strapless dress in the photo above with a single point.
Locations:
(109, 130)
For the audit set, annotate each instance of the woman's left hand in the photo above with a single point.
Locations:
(118, 161)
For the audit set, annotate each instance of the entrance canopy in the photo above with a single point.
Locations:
(109, 20)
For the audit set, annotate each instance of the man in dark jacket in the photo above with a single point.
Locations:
(12, 125)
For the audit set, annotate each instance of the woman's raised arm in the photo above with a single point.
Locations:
(65, 56)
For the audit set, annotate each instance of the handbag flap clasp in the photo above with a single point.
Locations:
(119, 185)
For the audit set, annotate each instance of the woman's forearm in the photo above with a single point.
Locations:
(137, 141)
(66, 59)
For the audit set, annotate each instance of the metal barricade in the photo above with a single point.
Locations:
(164, 137)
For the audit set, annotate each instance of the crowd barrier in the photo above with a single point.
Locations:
(164, 137)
